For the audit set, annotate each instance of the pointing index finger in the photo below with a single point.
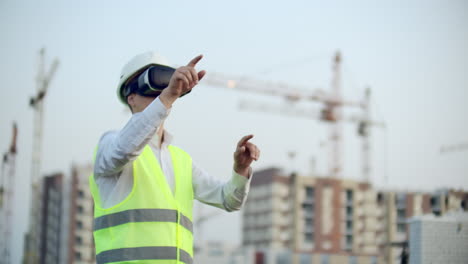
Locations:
(195, 60)
(244, 140)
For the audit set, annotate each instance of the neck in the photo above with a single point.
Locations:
(160, 133)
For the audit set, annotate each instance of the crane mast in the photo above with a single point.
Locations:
(336, 128)
(7, 189)
(43, 80)
(331, 113)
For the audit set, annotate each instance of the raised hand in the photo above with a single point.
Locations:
(246, 152)
(182, 81)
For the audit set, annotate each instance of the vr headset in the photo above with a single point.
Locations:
(151, 82)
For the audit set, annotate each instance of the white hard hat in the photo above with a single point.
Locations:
(137, 65)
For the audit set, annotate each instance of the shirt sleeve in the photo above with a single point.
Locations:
(229, 195)
(116, 149)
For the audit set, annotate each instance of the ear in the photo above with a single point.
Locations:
(131, 99)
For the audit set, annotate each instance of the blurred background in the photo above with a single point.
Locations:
(359, 109)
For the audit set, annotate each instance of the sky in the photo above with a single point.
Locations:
(412, 54)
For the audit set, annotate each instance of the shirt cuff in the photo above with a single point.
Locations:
(240, 181)
(156, 111)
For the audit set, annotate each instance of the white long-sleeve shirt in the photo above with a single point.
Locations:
(117, 149)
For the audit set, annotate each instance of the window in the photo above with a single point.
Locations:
(349, 211)
(349, 226)
(80, 194)
(77, 256)
(80, 209)
(380, 198)
(308, 211)
(284, 257)
(349, 195)
(216, 252)
(78, 240)
(325, 259)
(401, 214)
(401, 227)
(349, 242)
(400, 200)
(309, 193)
(305, 258)
(79, 225)
(309, 237)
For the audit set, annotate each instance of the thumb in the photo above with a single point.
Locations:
(239, 152)
(242, 149)
(201, 74)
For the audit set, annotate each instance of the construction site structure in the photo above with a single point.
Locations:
(79, 212)
(459, 147)
(442, 239)
(65, 225)
(43, 80)
(7, 189)
(331, 113)
(292, 218)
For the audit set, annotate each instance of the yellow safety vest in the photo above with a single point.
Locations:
(151, 225)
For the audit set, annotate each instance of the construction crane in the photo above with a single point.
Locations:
(363, 123)
(462, 146)
(331, 113)
(43, 80)
(7, 189)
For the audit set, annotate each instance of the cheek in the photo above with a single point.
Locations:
(149, 100)
(141, 102)
(145, 101)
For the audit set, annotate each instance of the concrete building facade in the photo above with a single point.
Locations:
(65, 233)
(297, 219)
(318, 221)
(220, 252)
(80, 246)
(439, 239)
(50, 219)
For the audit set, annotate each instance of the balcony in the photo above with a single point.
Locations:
(308, 229)
(308, 214)
(349, 232)
(348, 242)
(309, 200)
(349, 203)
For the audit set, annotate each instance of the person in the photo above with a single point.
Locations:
(143, 186)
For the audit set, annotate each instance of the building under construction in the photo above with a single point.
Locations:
(66, 219)
(288, 218)
(298, 219)
(80, 247)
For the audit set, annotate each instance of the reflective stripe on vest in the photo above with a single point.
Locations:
(152, 224)
(141, 215)
(143, 253)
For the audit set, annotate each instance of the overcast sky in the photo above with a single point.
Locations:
(413, 55)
